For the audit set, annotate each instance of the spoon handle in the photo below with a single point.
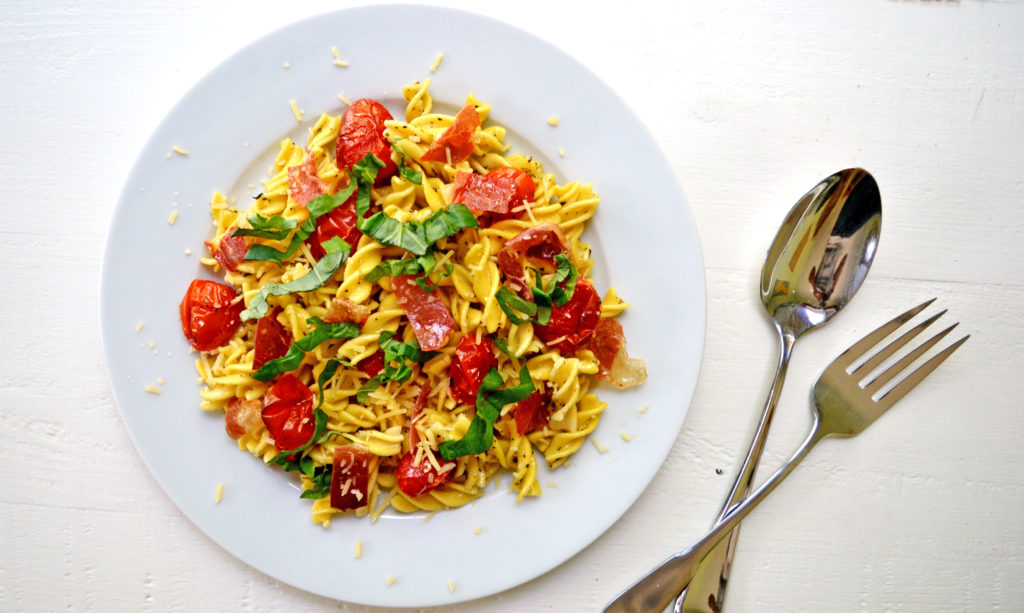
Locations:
(706, 590)
(655, 591)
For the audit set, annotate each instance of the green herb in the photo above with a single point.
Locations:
(337, 252)
(365, 173)
(293, 358)
(321, 205)
(417, 237)
(276, 227)
(424, 281)
(502, 346)
(413, 176)
(321, 478)
(396, 268)
(489, 402)
(510, 303)
(397, 356)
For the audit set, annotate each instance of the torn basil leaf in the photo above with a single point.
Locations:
(321, 205)
(297, 351)
(275, 228)
(414, 236)
(410, 175)
(489, 402)
(337, 252)
(510, 303)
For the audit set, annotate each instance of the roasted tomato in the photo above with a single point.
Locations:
(495, 195)
(350, 478)
(470, 364)
(362, 132)
(418, 479)
(429, 316)
(288, 413)
(372, 365)
(531, 414)
(272, 340)
(209, 314)
(523, 184)
(573, 323)
(339, 222)
(456, 143)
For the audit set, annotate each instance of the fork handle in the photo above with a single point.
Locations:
(655, 591)
(706, 590)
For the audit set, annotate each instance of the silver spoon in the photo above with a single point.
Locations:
(815, 265)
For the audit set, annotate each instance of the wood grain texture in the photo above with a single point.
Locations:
(752, 102)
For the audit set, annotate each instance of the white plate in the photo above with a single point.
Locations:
(644, 240)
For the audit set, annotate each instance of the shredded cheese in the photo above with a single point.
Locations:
(172, 218)
(433, 68)
(626, 437)
(179, 150)
(138, 328)
(642, 409)
(552, 121)
(337, 58)
(600, 448)
(287, 65)
(344, 99)
(561, 152)
(451, 586)
(152, 390)
(359, 548)
(220, 492)
(296, 111)
(188, 251)
(390, 581)
(477, 530)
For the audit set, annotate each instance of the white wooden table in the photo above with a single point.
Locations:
(752, 103)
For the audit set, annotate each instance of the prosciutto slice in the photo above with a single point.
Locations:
(431, 321)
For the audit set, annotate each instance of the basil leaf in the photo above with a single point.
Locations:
(397, 355)
(297, 351)
(321, 205)
(448, 221)
(413, 176)
(424, 281)
(510, 302)
(405, 266)
(365, 173)
(337, 252)
(321, 478)
(365, 389)
(565, 271)
(276, 227)
(489, 402)
(389, 231)
(502, 346)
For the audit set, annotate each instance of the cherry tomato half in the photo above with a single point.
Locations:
(209, 314)
(339, 222)
(522, 182)
(418, 479)
(574, 322)
(272, 340)
(362, 132)
(288, 413)
(470, 364)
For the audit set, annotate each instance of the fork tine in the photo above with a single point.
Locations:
(886, 352)
(861, 347)
(911, 381)
(882, 378)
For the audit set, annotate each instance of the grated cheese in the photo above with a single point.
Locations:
(160, 380)
(552, 484)
(433, 68)
(359, 548)
(179, 150)
(552, 121)
(172, 218)
(561, 152)
(188, 251)
(152, 390)
(220, 492)
(451, 586)
(344, 99)
(337, 59)
(477, 530)
(600, 448)
(287, 65)
(642, 409)
(626, 437)
(296, 111)
(138, 328)
(390, 581)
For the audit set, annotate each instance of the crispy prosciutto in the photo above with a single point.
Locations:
(230, 251)
(456, 143)
(350, 478)
(431, 321)
(609, 347)
(495, 194)
(343, 309)
(241, 417)
(532, 414)
(541, 242)
(304, 183)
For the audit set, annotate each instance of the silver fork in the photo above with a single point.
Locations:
(845, 405)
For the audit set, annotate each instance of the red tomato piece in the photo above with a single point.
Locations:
(304, 183)
(531, 414)
(362, 132)
(339, 222)
(456, 143)
(541, 242)
(272, 340)
(288, 412)
(209, 314)
(418, 479)
(230, 251)
(483, 194)
(470, 364)
(431, 321)
(573, 323)
(350, 479)
(522, 182)
(372, 365)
